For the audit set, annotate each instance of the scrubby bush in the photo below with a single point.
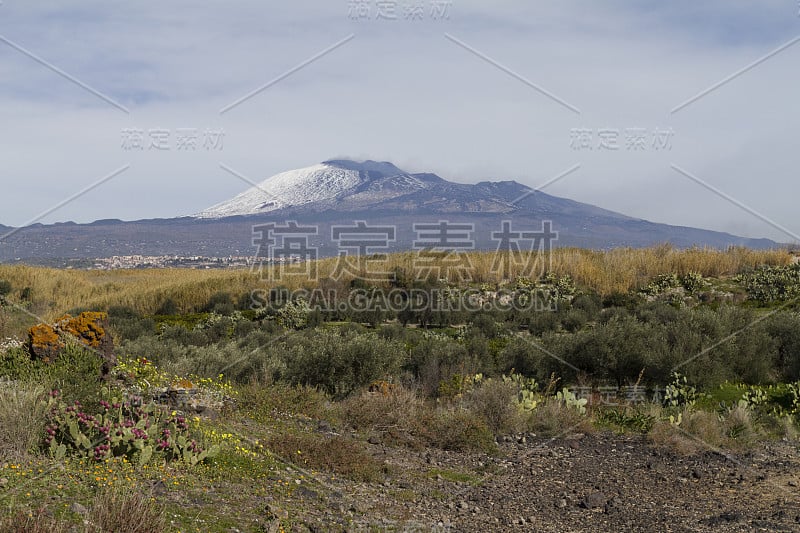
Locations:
(76, 372)
(292, 314)
(262, 400)
(638, 419)
(540, 322)
(38, 521)
(556, 418)
(520, 357)
(485, 324)
(612, 313)
(168, 307)
(658, 313)
(185, 337)
(335, 454)
(739, 427)
(772, 283)
(563, 285)
(495, 401)
(693, 282)
(661, 284)
(689, 431)
(435, 360)
(573, 320)
(5, 288)
(26, 294)
(341, 363)
(588, 303)
(625, 300)
(220, 303)
(784, 328)
(616, 351)
(667, 434)
(23, 414)
(731, 344)
(256, 356)
(458, 429)
(126, 324)
(395, 414)
(125, 510)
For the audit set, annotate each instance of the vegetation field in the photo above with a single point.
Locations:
(613, 390)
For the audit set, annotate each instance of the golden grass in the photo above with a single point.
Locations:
(623, 269)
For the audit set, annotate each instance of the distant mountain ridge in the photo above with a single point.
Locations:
(339, 192)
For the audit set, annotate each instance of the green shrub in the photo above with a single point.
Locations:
(616, 351)
(634, 419)
(291, 314)
(168, 307)
(784, 328)
(220, 303)
(625, 300)
(731, 344)
(772, 283)
(521, 357)
(5, 288)
(26, 294)
(183, 336)
(693, 282)
(75, 372)
(588, 303)
(538, 321)
(661, 284)
(573, 320)
(126, 327)
(341, 363)
(563, 285)
(256, 356)
(486, 325)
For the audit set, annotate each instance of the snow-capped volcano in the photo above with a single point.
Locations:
(380, 187)
(337, 194)
(316, 184)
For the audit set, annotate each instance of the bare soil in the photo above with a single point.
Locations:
(598, 482)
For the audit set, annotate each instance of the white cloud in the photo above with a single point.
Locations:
(400, 91)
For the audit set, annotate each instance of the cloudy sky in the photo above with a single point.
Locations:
(470, 90)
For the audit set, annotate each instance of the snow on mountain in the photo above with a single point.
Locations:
(315, 184)
(343, 185)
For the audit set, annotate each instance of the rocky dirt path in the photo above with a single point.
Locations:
(594, 483)
(608, 483)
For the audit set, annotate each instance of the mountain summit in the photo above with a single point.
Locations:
(324, 183)
(381, 187)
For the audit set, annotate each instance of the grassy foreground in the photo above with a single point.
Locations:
(219, 416)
